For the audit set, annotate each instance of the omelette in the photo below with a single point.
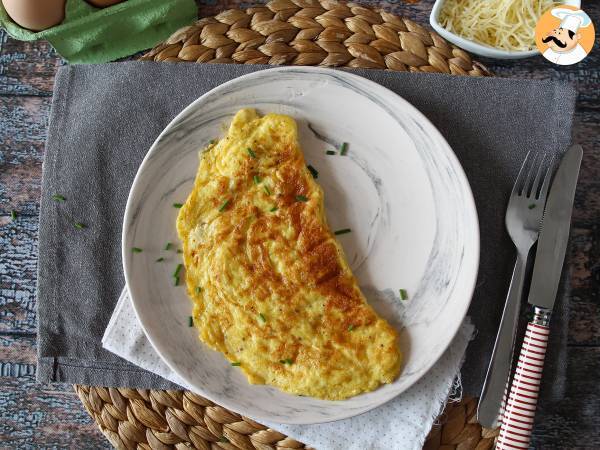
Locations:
(270, 285)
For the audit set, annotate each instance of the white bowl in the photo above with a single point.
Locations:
(475, 47)
(400, 189)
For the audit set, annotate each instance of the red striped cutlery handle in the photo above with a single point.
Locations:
(519, 410)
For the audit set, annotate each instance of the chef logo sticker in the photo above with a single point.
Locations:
(564, 35)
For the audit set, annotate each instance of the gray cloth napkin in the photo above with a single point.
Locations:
(105, 117)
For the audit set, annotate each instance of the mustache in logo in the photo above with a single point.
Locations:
(555, 40)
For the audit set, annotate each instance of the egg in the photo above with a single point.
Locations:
(270, 285)
(35, 15)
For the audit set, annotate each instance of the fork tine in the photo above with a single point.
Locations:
(547, 178)
(527, 185)
(536, 181)
(519, 182)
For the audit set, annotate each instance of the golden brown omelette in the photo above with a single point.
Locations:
(270, 284)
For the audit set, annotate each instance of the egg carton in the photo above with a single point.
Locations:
(94, 35)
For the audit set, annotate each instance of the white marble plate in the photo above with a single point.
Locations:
(400, 189)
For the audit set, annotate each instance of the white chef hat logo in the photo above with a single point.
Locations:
(571, 20)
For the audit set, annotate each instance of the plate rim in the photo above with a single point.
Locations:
(471, 207)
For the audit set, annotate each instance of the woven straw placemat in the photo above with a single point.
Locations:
(299, 32)
(154, 419)
(316, 33)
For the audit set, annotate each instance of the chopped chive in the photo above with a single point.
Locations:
(250, 152)
(256, 179)
(313, 171)
(79, 225)
(177, 270)
(190, 321)
(236, 364)
(343, 231)
(267, 190)
(179, 251)
(13, 215)
(330, 152)
(177, 205)
(198, 290)
(224, 205)
(531, 206)
(262, 317)
(169, 246)
(301, 198)
(344, 148)
(286, 361)
(273, 209)
(403, 294)
(160, 259)
(136, 250)
(351, 327)
(223, 439)
(176, 281)
(211, 142)
(58, 198)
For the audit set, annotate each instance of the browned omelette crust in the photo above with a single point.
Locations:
(272, 289)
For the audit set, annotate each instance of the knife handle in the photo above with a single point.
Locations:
(519, 412)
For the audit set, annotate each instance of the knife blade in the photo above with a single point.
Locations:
(554, 235)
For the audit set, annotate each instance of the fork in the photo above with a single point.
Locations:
(523, 219)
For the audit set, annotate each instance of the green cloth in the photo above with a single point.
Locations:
(92, 35)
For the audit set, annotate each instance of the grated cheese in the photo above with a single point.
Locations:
(502, 24)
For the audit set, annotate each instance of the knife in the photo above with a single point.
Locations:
(519, 412)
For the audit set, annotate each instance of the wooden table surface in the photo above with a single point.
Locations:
(50, 415)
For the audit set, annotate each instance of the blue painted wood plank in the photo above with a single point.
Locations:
(17, 354)
(16, 370)
(18, 265)
(44, 416)
(26, 68)
(22, 138)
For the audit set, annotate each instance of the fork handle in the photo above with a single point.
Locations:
(498, 372)
(519, 413)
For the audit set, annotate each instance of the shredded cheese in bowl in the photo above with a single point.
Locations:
(502, 24)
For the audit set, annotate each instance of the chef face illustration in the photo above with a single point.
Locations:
(562, 43)
(562, 40)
